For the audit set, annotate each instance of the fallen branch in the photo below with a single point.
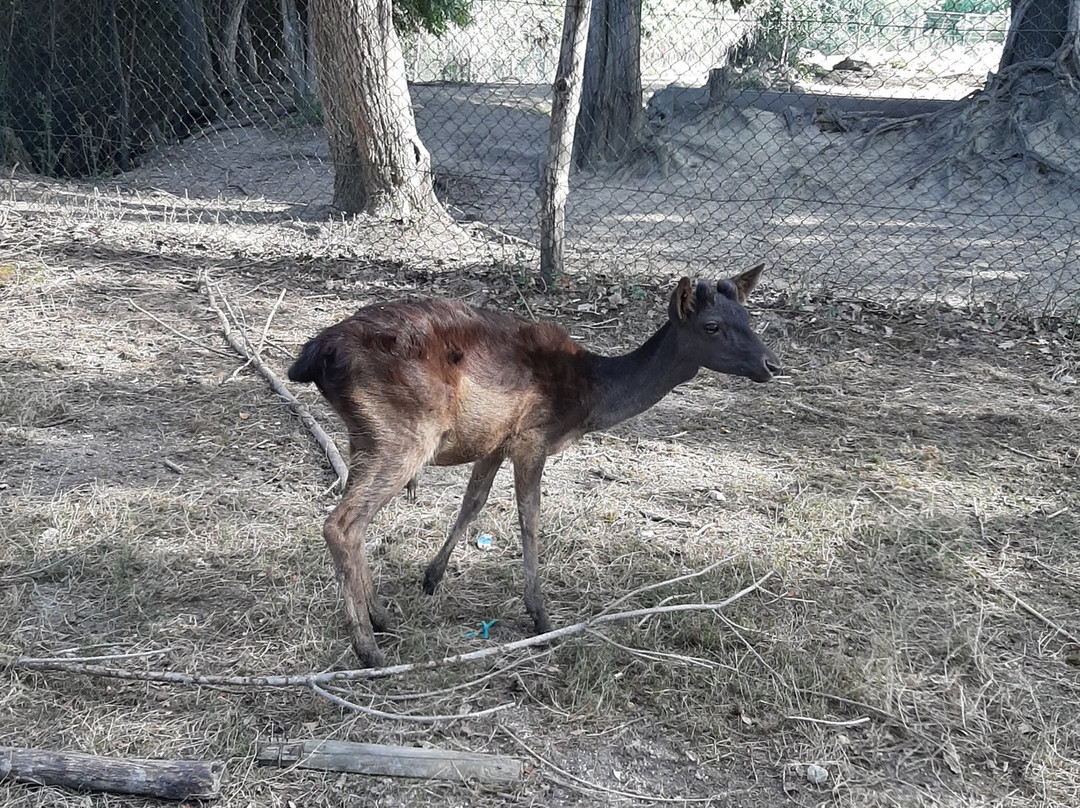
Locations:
(306, 680)
(587, 786)
(395, 761)
(877, 712)
(655, 656)
(257, 350)
(180, 334)
(302, 412)
(678, 580)
(34, 572)
(415, 719)
(164, 779)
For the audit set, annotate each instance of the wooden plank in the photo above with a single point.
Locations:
(164, 779)
(395, 761)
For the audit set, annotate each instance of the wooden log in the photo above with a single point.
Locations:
(164, 779)
(395, 761)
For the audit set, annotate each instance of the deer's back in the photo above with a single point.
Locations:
(479, 378)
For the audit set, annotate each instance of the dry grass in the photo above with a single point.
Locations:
(910, 475)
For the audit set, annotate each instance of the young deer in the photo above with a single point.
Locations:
(437, 382)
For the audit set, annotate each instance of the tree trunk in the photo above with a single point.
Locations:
(294, 52)
(565, 103)
(1039, 28)
(227, 17)
(249, 61)
(611, 118)
(200, 98)
(380, 165)
(121, 126)
(1026, 113)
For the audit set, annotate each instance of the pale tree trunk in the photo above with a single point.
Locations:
(611, 118)
(121, 135)
(565, 103)
(380, 165)
(249, 63)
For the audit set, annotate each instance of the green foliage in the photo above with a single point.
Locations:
(432, 16)
(975, 6)
(783, 27)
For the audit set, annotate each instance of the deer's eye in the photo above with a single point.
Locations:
(712, 328)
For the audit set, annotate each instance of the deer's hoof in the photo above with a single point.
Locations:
(367, 651)
(542, 623)
(432, 577)
(380, 618)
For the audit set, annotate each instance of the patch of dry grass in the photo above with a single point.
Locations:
(906, 479)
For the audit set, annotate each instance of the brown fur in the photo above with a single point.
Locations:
(437, 382)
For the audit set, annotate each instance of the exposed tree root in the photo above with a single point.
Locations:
(1029, 112)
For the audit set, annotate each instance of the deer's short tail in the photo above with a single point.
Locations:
(313, 363)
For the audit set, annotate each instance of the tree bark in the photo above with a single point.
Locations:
(1038, 29)
(121, 126)
(612, 116)
(294, 52)
(164, 779)
(1026, 113)
(380, 165)
(565, 103)
(227, 41)
(249, 63)
(200, 97)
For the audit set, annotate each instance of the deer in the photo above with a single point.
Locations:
(438, 382)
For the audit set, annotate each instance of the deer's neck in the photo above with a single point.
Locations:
(624, 386)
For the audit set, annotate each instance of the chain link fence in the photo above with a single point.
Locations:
(799, 132)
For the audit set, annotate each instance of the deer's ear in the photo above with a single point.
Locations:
(746, 282)
(682, 301)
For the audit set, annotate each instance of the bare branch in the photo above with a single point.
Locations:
(596, 787)
(180, 334)
(415, 719)
(324, 677)
(302, 412)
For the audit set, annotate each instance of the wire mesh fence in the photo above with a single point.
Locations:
(799, 132)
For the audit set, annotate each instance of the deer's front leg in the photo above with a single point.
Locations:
(527, 474)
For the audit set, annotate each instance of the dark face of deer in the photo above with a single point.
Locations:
(713, 327)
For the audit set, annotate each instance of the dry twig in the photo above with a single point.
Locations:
(307, 680)
(415, 719)
(180, 334)
(302, 412)
(1023, 604)
(585, 785)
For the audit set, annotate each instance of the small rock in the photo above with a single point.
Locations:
(816, 774)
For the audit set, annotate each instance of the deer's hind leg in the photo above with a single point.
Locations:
(476, 494)
(528, 471)
(376, 476)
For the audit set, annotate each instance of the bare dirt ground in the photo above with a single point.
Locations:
(912, 480)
